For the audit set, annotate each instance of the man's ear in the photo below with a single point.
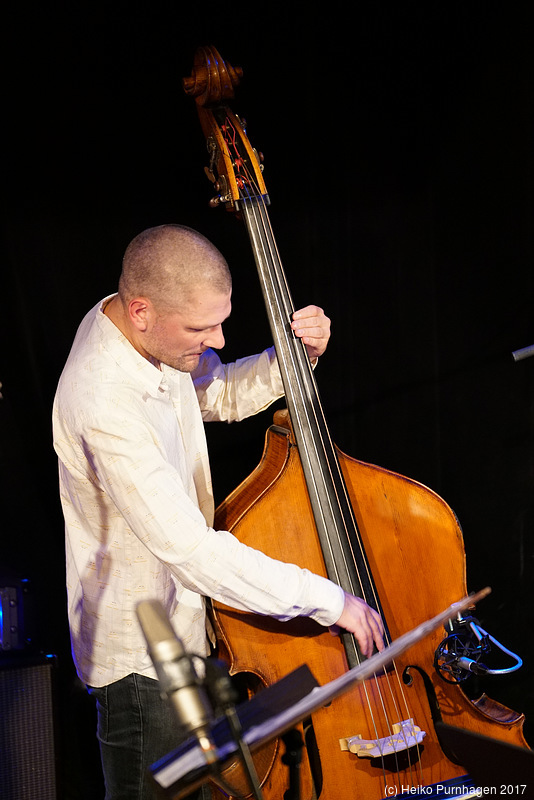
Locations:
(141, 313)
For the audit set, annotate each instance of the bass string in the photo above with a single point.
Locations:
(281, 308)
(302, 391)
(395, 700)
(295, 362)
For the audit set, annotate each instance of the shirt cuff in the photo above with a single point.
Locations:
(332, 601)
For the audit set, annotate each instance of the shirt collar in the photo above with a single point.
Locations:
(126, 356)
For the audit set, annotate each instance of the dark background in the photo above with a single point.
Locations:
(398, 157)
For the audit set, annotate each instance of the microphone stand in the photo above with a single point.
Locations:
(220, 687)
(244, 751)
(293, 758)
(225, 696)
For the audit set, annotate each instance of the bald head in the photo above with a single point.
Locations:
(167, 264)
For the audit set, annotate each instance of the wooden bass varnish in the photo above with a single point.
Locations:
(379, 535)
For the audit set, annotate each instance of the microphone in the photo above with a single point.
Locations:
(524, 352)
(177, 676)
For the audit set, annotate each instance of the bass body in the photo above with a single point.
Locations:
(416, 553)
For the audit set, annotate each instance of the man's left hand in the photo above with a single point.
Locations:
(312, 326)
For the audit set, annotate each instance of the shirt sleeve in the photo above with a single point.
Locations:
(231, 392)
(149, 494)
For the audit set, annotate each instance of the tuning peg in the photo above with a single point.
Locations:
(259, 158)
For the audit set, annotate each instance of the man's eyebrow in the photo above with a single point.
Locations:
(205, 327)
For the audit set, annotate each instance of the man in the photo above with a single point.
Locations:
(135, 486)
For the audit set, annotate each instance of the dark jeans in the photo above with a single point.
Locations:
(135, 728)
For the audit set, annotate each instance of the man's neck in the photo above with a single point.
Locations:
(114, 310)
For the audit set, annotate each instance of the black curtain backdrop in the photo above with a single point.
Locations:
(398, 157)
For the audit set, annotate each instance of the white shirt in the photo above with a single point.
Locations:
(137, 500)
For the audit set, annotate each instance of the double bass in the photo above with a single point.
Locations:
(362, 526)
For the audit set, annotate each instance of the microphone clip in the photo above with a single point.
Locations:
(459, 654)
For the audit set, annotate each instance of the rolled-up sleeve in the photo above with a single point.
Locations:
(232, 392)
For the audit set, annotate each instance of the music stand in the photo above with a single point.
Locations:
(491, 764)
(278, 709)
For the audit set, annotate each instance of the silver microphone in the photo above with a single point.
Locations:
(177, 676)
(524, 352)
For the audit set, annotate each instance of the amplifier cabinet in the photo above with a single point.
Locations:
(28, 769)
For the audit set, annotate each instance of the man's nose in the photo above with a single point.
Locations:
(215, 338)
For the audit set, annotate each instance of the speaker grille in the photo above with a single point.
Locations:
(27, 732)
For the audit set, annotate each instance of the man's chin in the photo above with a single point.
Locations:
(187, 363)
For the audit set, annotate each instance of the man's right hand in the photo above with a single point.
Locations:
(363, 621)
